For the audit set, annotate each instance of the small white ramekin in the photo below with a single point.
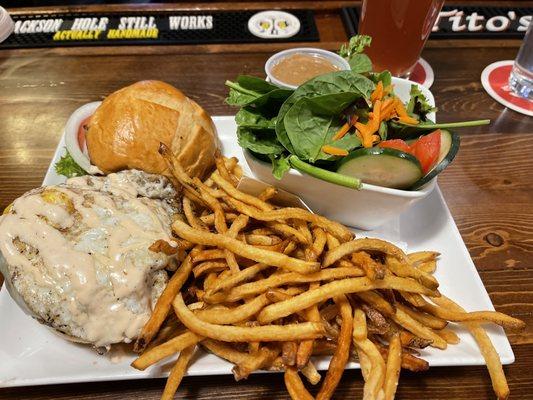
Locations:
(337, 60)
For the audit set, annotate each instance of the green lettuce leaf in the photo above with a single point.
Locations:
(66, 166)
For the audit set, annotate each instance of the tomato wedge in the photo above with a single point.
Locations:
(82, 131)
(427, 149)
(397, 144)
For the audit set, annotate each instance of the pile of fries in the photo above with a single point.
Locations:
(267, 287)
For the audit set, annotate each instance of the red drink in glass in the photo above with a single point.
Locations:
(399, 30)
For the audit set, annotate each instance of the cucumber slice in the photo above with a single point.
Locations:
(449, 146)
(383, 167)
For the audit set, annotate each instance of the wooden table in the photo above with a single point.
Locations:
(488, 188)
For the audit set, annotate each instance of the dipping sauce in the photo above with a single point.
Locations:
(299, 68)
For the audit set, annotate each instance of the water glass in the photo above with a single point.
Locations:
(521, 78)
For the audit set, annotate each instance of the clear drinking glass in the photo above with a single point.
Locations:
(399, 30)
(521, 78)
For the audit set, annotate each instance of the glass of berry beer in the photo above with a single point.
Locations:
(399, 30)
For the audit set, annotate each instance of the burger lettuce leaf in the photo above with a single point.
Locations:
(66, 166)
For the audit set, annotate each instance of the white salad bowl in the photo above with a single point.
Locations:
(366, 208)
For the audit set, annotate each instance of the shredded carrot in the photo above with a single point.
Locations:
(386, 106)
(408, 120)
(334, 151)
(342, 131)
(361, 128)
(402, 113)
(367, 130)
(376, 118)
(353, 120)
(387, 90)
(377, 94)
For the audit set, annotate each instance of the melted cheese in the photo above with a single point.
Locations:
(94, 256)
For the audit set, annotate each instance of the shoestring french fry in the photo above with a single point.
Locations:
(473, 316)
(267, 288)
(499, 382)
(376, 376)
(406, 271)
(177, 373)
(237, 194)
(192, 218)
(365, 244)
(295, 386)
(340, 357)
(227, 333)
(403, 319)
(428, 320)
(305, 348)
(288, 353)
(273, 281)
(267, 257)
(310, 373)
(373, 269)
(163, 305)
(336, 288)
(336, 229)
(393, 368)
(235, 314)
(207, 267)
(173, 346)
(267, 193)
(224, 171)
(448, 335)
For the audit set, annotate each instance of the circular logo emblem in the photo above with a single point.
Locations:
(274, 25)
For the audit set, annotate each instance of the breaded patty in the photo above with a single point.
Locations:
(77, 254)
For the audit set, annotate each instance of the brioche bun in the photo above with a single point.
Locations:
(126, 129)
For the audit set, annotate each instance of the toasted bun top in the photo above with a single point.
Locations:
(126, 129)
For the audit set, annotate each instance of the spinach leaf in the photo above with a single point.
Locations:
(332, 83)
(382, 132)
(280, 165)
(239, 96)
(312, 122)
(263, 143)
(251, 118)
(271, 100)
(348, 142)
(256, 84)
(250, 90)
(360, 63)
(385, 77)
(355, 45)
(418, 104)
(400, 130)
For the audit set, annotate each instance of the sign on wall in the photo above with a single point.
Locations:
(463, 22)
(138, 28)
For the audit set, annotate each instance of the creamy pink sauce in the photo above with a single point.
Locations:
(107, 292)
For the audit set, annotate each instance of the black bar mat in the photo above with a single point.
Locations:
(163, 28)
(467, 22)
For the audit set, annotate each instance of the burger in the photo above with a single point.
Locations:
(126, 129)
(80, 257)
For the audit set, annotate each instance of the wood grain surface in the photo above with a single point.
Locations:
(488, 187)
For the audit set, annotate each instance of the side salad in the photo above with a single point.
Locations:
(345, 127)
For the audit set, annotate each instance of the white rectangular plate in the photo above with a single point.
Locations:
(33, 355)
